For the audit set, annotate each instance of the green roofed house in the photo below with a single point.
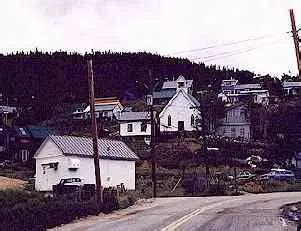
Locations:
(27, 140)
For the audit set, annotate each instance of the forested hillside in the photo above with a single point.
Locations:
(41, 81)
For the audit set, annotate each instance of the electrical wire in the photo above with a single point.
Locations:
(235, 52)
(229, 43)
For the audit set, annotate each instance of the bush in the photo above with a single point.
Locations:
(267, 187)
(43, 215)
(217, 190)
(21, 210)
(10, 197)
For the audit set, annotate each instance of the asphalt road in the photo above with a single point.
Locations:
(241, 213)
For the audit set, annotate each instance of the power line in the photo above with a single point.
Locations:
(228, 44)
(238, 51)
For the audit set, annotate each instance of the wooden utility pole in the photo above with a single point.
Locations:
(94, 132)
(296, 41)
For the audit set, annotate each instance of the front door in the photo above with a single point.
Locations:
(180, 126)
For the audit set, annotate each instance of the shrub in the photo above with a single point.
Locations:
(267, 187)
(217, 190)
(21, 210)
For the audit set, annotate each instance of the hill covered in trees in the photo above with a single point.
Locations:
(40, 81)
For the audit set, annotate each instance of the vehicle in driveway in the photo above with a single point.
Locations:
(245, 176)
(72, 185)
(279, 174)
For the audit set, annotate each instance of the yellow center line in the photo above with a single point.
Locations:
(196, 212)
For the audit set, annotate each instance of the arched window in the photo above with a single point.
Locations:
(169, 120)
(192, 120)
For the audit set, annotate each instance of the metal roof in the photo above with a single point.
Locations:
(108, 149)
(39, 132)
(248, 86)
(291, 84)
(174, 84)
(164, 94)
(109, 107)
(133, 116)
(22, 132)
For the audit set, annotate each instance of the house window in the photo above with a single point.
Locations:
(192, 120)
(242, 132)
(242, 113)
(233, 132)
(143, 126)
(130, 127)
(169, 120)
(24, 155)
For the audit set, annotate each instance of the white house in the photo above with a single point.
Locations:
(236, 122)
(180, 114)
(62, 157)
(135, 124)
(291, 87)
(106, 108)
(232, 92)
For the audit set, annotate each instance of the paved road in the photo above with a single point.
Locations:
(242, 213)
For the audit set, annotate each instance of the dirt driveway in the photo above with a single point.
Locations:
(10, 183)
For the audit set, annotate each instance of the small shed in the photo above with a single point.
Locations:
(61, 157)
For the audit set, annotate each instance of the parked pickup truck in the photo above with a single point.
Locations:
(72, 185)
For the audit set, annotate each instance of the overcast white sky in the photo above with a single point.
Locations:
(159, 26)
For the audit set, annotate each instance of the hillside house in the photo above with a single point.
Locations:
(169, 89)
(135, 124)
(78, 111)
(236, 123)
(180, 114)
(7, 117)
(232, 92)
(27, 140)
(61, 157)
(291, 88)
(107, 108)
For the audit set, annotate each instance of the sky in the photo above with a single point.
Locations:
(166, 27)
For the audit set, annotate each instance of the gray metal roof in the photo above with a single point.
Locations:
(108, 149)
(164, 94)
(174, 84)
(134, 116)
(291, 84)
(108, 107)
(248, 86)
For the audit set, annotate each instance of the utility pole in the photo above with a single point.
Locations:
(297, 40)
(153, 135)
(94, 132)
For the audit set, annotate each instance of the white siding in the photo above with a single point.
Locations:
(136, 129)
(113, 172)
(179, 110)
